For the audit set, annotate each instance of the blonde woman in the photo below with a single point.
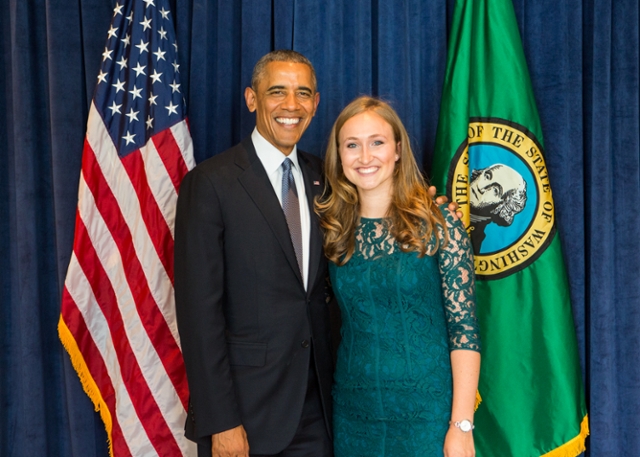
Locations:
(402, 271)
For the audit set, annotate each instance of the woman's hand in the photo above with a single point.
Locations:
(458, 443)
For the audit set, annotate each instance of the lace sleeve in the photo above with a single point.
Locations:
(455, 261)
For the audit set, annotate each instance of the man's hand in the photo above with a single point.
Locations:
(442, 199)
(230, 443)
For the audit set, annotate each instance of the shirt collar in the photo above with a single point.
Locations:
(269, 155)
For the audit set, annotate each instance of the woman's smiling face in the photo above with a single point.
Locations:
(368, 152)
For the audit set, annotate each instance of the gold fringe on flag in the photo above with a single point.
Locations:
(478, 400)
(88, 384)
(575, 446)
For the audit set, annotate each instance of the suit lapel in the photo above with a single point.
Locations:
(313, 187)
(255, 181)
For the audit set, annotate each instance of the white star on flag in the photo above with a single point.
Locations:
(171, 108)
(146, 23)
(122, 63)
(142, 46)
(159, 54)
(115, 108)
(106, 54)
(118, 85)
(135, 92)
(139, 69)
(129, 137)
(156, 76)
(132, 115)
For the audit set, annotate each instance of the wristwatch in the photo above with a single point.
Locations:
(465, 425)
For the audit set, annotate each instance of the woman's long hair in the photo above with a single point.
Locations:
(413, 215)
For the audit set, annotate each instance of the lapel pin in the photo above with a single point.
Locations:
(316, 183)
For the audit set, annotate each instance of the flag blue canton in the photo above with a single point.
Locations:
(138, 91)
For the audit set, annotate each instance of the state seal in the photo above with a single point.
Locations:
(499, 179)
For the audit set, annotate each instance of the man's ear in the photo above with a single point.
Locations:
(250, 99)
(316, 102)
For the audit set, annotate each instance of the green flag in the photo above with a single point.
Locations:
(490, 159)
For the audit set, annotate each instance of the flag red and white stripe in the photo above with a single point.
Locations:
(118, 313)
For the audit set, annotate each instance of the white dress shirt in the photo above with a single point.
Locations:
(272, 159)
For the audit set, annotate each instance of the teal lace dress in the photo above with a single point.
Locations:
(401, 316)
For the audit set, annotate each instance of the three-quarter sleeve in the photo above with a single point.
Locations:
(455, 260)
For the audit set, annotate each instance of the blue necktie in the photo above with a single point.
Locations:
(291, 207)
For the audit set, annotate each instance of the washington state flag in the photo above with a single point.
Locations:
(490, 159)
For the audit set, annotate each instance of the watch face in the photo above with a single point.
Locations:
(465, 425)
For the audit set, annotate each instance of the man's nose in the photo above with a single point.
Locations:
(291, 101)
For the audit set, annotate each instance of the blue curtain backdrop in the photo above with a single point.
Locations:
(584, 61)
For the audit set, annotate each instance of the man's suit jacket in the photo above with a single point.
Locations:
(247, 326)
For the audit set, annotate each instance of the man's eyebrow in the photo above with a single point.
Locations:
(301, 88)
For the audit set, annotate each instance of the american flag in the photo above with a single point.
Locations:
(117, 319)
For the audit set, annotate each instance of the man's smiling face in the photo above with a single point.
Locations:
(285, 101)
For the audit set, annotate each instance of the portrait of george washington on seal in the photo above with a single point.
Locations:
(496, 194)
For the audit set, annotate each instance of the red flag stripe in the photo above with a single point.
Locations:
(171, 156)
(75, 323)
(172, 408)
(125, 365)
(115, 274)
(98, 334)
(154, 220)
(122, 190)
(183, 139)
(160, 180)
(154, 323)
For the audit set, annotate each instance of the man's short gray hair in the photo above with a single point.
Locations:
(281, 55)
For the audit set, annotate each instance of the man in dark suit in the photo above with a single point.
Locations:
(250, 281)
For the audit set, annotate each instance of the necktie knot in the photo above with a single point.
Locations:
(286, 165)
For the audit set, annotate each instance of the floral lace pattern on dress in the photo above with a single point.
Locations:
(401, 316)
(455, 262)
